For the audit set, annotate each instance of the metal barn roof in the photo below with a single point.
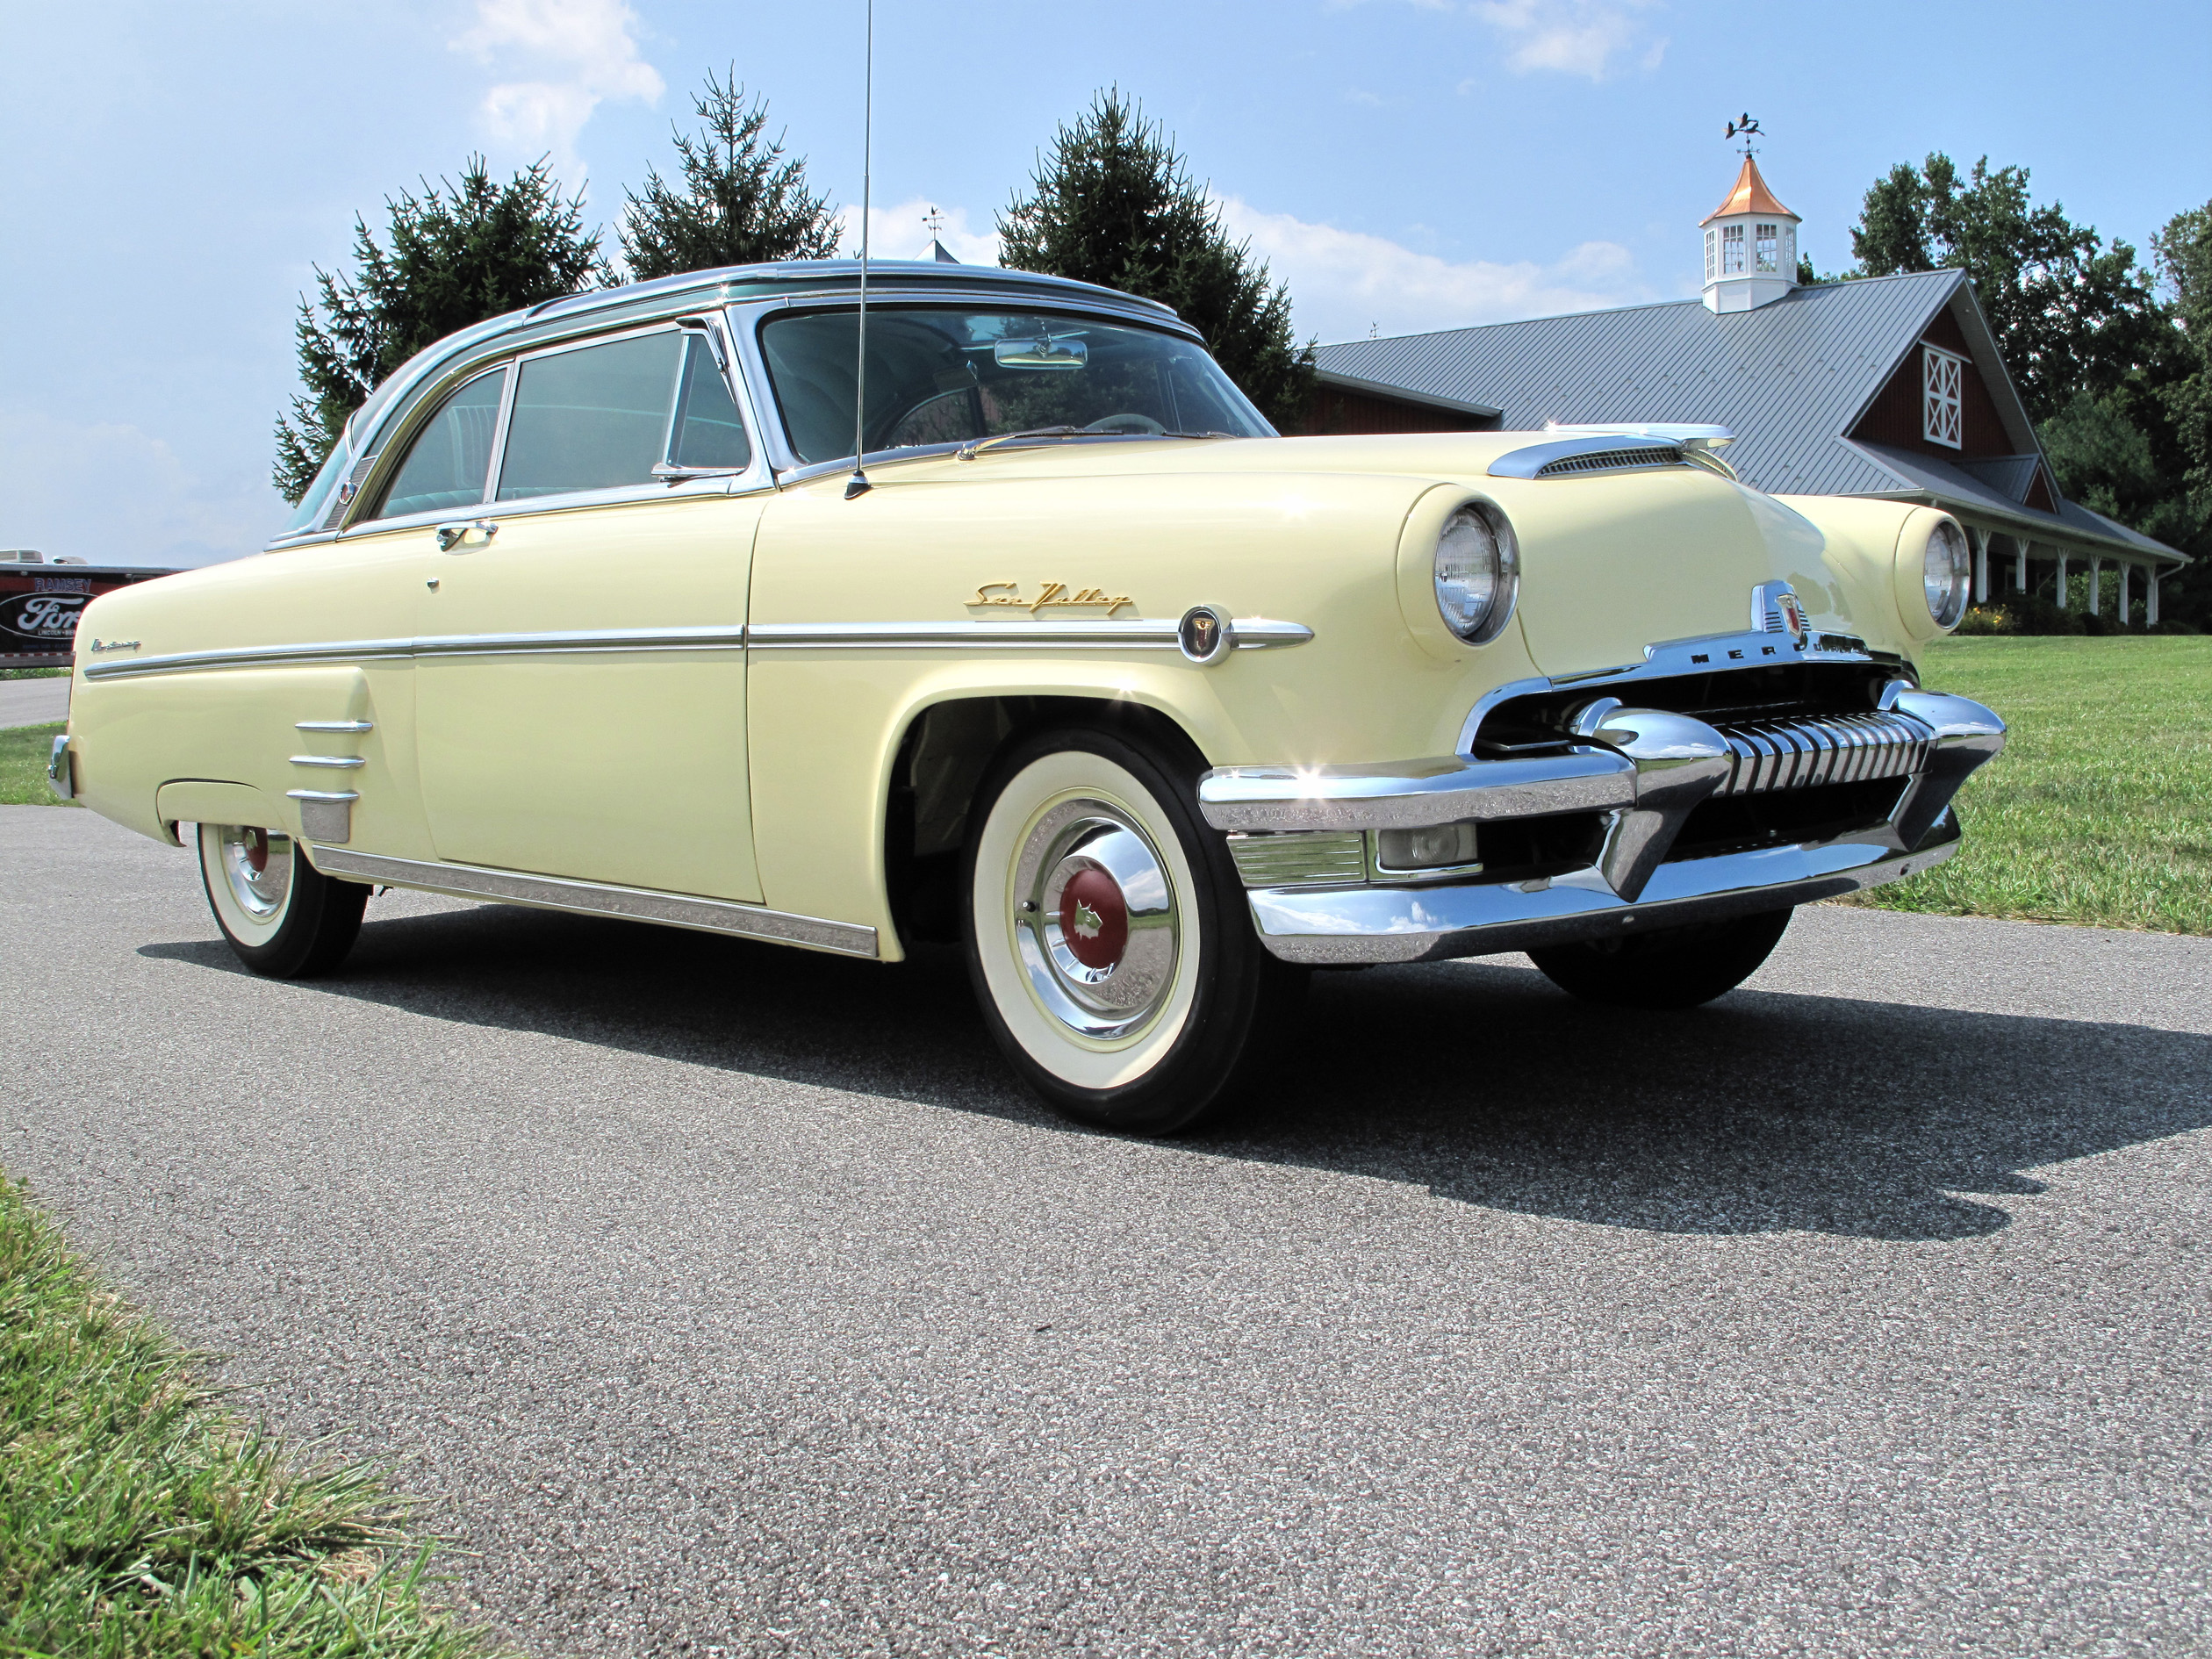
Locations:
(1789, 379)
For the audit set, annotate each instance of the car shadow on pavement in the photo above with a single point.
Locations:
(1763, 1112)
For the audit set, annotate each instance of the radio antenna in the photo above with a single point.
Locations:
(858, 484)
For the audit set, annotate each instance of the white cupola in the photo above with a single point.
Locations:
(1750, 246)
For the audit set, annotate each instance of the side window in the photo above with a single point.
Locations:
(592, 418)
(448, 463)
(708, 433)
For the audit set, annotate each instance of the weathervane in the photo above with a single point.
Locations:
(934, 221)
(1747, 129)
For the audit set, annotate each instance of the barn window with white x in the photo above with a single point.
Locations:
(1941, 376)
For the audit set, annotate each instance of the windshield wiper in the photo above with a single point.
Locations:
(969, 451)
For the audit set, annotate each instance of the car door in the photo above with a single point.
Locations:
(580, 671)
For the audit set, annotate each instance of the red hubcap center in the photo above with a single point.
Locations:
(257, 852)
(1094, 919)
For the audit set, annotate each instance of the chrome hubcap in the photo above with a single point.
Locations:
(1094, 919)
(258, 865)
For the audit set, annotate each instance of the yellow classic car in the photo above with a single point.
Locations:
(1153, 711)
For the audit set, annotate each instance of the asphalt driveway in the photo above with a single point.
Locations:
(34, 703)
(725, 1297)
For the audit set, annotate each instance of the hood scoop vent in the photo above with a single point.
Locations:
(1573, 457)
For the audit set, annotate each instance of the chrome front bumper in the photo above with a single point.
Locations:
(1306, 837)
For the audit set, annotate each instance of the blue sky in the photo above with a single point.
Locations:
(172, 173)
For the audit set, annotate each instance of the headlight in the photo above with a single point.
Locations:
(1477, 572)
(1946, 573)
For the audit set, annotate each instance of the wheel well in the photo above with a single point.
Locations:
(942, 760)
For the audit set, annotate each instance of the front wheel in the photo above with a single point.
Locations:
(1667, 968)
(1108, 938)
(283, 917)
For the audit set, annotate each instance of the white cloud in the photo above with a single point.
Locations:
(585, 52)
(1344, 283)
(899, 233)
(110, 492)
(1574, 37)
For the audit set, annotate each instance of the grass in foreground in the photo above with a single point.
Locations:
(32, 673)
(139, 1518)
(23, 763)
(2100, 811)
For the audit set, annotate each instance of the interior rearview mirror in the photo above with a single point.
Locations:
(1046, 351)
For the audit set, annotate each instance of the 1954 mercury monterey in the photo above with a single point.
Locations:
(1154, 710)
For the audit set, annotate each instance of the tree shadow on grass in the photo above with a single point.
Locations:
(1763, 1112)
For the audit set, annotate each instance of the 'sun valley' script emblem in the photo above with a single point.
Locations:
(1051, 595)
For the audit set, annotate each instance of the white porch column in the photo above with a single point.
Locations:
(1981, 566)
(2096, 574)
(2126, 570)
(2020, 563)
(2062, 579)
(2151, 597)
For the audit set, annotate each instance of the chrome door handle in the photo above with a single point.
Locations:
(453, 535)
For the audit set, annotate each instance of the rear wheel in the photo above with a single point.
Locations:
(283, 917)
(1108, 938)
(1670, 968)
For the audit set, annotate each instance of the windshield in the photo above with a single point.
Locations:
(953, 376)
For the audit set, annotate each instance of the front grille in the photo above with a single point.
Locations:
(1608, 461)
(1808, 752)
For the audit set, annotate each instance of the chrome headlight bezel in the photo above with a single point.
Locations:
(1475, 533)
(1945, 591)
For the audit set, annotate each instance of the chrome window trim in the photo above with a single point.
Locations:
(749, 317)
(381, 474)
(425, 376)
(602, 898)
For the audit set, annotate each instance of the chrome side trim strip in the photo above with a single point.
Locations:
(596, 898)
(333, 725)
(341, 763)
(322, 794)
(1252, 634)
(352, 650)
(1425, 924)
(719, 637)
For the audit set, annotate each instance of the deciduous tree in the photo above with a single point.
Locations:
(1115, 203)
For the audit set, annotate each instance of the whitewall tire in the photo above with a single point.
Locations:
(1109, 937)
(283, 917)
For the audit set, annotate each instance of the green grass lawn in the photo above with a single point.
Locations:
(23, 762)
(139, 1518)
(2100, 811)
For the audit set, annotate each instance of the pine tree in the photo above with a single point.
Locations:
(457, 255)
(1115, 203)
(740, 202)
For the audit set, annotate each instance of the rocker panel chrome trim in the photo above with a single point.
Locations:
(594, 898)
